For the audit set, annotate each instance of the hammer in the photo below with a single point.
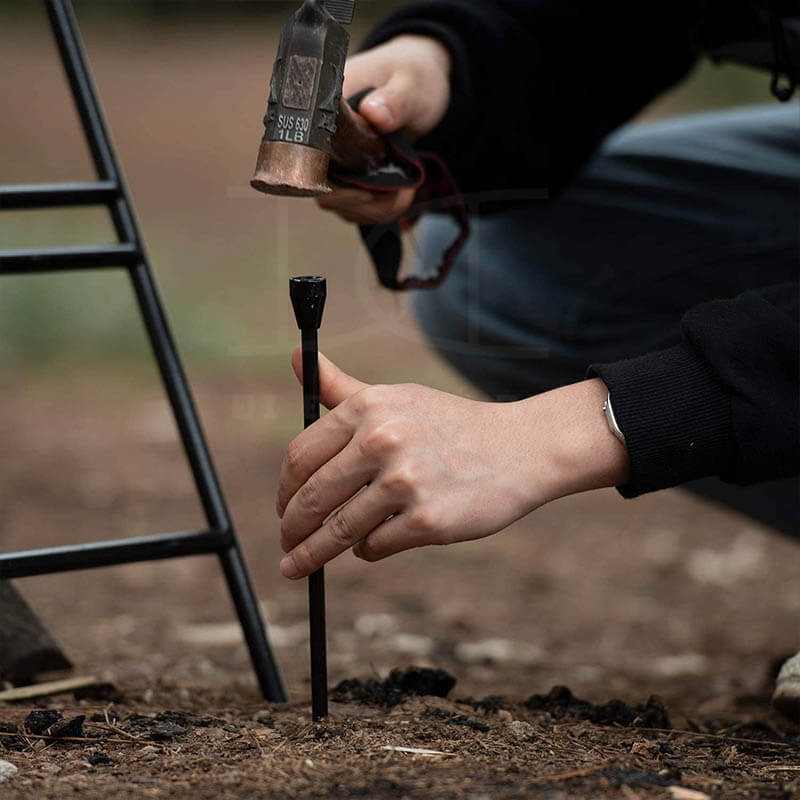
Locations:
(307, 122)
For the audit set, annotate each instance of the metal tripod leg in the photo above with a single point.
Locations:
(130, 252)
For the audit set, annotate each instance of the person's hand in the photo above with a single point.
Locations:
(411, 78)
(396, 467)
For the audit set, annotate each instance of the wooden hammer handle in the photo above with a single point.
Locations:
(357, 146)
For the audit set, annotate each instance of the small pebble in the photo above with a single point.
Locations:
(682, 793)
(375, 624)
(498, 651)
(7, 770)
(411, 644)
(521, 730)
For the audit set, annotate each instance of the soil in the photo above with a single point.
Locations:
(411, 746)
(665, 596)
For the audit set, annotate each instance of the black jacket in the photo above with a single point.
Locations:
(545, 81)
(536, 86)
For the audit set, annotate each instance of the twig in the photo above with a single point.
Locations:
(299, 736)
(63, 709)
(112, 727)
(51, 687)
(99, 740)
(576, 773)
(719, 736)
(257, 743)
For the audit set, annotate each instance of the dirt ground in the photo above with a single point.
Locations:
(665, 595)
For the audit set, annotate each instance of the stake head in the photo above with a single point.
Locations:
(308, 295)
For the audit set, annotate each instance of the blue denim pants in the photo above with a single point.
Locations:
(667, 215)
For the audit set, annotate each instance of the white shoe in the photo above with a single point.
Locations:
(787, 688)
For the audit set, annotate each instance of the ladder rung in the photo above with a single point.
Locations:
(106, 554)
(52, 259)
(50, 195)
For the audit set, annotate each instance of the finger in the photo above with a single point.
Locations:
(335, 385)
(320, 442)
(315, 446)
(363, 71)
(383, 207)
(345, 528)
(391, 106)
(345, 197)
(393, 536)
(386, 207)
(329, 487)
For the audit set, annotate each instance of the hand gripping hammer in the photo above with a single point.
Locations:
(307, 121)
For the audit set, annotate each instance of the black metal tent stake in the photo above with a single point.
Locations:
(308, 300)
(110, 190)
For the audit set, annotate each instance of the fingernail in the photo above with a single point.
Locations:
(380, 109)
(289, 567)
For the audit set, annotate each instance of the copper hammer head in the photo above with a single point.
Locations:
(307, 123)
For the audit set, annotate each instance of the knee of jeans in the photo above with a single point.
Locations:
(504, 372)
(508, 328)
(439, 320)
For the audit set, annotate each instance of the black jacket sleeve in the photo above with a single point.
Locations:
(537, 84)
(725, 401)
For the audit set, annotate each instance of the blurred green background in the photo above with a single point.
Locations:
(184, 87)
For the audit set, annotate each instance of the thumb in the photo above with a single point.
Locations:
(335, 386)
(391, 107)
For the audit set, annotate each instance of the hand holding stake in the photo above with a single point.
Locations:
(308, 300)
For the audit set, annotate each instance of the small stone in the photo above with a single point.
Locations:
(375, 625)
(412, 644)
(741, 559)
(288, 636)
(682, 793)
(498, 651)
(98, 758)
(211, 634)
(679, 665)
(505, 716)
(521, 730)
(164, 731)
(7, 770)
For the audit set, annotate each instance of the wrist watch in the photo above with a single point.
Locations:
(608, 410)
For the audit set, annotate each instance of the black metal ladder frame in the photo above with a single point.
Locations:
(110, 190)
